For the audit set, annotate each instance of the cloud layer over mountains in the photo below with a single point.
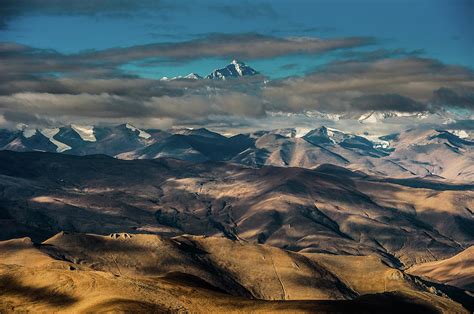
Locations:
(42, 86)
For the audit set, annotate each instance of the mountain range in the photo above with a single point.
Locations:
(417, 152)
(117, 218)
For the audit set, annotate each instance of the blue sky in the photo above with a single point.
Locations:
(440, 29)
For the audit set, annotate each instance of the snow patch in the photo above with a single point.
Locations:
(86, 132)
(237, 67)
(50, 133)
(459, 133)
(307, 114)
(377, 116)
(382, 144)
(300, 132)
(335, 135)
(375, 139)
(141, 133)
(368, 118)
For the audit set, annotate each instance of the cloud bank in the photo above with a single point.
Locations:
(46, 87)
(400, 84)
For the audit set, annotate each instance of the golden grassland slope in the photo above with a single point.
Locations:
(148, 273)
(457, 271)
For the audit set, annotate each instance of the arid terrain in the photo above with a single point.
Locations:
(149, 273)
(236, 156)
(96, 233)
(456, 271)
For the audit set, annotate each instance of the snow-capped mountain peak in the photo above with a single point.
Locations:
(233, 70)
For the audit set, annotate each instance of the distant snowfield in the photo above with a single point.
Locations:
(50, 133)
(141, 133)
(377, 117)
(300, 132)
(378, 143)
(86, 132)
(396, 149)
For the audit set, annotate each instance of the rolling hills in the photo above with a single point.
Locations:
(143, 273)
(328, 210)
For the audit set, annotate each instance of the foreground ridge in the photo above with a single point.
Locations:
(123, 272)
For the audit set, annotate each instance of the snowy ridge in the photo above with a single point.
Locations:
(308, 114)
(141, 133)
(377, 116)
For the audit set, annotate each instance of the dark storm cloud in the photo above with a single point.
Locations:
(404, 84)
(388, 102)
(27, 118)
(117, 86)
(19, 61)
(81, 105)
(448, 97)
(106, 107)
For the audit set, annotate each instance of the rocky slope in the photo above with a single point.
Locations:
(329, 209)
